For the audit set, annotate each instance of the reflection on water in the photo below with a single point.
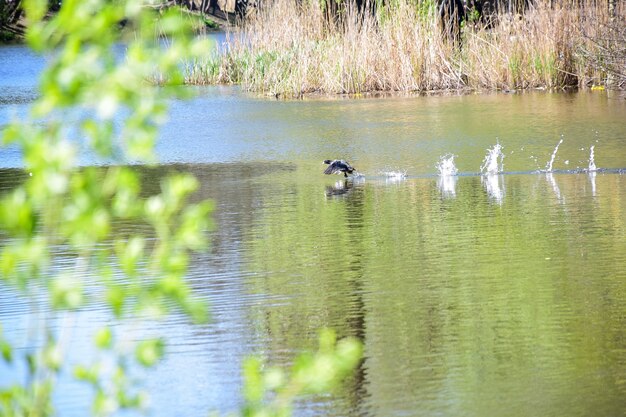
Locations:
(339, 188)
(447, 175)
(494, 186)
(592, 180)
(464, 306)
(447, 185)
(504, 297)
(555, 186)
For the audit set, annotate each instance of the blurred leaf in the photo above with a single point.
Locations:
(195, 221)
(197, 310)
(6, 351)
(35, 9)
(87, 374)
(130, 254)
(100, 135)
(52, 356)
(271, 392)
(104, 338)
(93, 102)
(273, 379)
(17, 214)
(66, 292)
(116, 297)
(253, 389)
(5, 348)
(148, 352)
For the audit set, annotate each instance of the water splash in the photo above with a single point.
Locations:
(446, 166)
(447, 175)
(592, 162)
(494, 161)
(536, 161)
(393, 176)
(556, 149)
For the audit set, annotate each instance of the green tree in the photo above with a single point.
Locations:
(92, 100)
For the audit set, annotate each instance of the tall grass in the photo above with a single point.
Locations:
(291, 48)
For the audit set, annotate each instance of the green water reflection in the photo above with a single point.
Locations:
(473, 296)
(477, 298)
(466, 305)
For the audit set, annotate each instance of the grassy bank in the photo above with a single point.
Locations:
(290, 48)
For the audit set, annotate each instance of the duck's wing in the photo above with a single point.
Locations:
(333, 168)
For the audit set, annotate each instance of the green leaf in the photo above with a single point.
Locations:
(104, 338)
(6, 351)
(91, 101)
(273, 379)
(116, 297)
(130, 254)
(5, 348)
(253, 382)
(66, 292)
(88, 374)
(149, 352)
(52, 356)
(198, 310)
(17, 214)
(35, 9)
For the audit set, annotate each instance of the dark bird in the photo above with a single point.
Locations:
(338, 166)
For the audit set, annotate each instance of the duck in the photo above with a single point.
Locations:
(337, 166)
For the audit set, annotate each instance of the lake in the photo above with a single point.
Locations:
(474, 295)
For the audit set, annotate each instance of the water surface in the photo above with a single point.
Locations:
(473, 295)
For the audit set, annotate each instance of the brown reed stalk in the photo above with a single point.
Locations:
(291, 48)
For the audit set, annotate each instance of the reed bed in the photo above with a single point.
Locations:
(291, 48)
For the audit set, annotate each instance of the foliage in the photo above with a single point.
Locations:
(311, 374)
(96, 99)
(84, 90)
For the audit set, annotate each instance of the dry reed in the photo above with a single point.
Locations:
(290, 48)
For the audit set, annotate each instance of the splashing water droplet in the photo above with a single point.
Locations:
(592, 162)
(394, 175)
(494, 161)
(551, 162)
(446, 166)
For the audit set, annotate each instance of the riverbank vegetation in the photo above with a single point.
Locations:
(291, 48)
(208, 17)
(11, 28)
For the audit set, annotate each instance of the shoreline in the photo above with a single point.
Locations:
(426, 93)
(285, 51)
